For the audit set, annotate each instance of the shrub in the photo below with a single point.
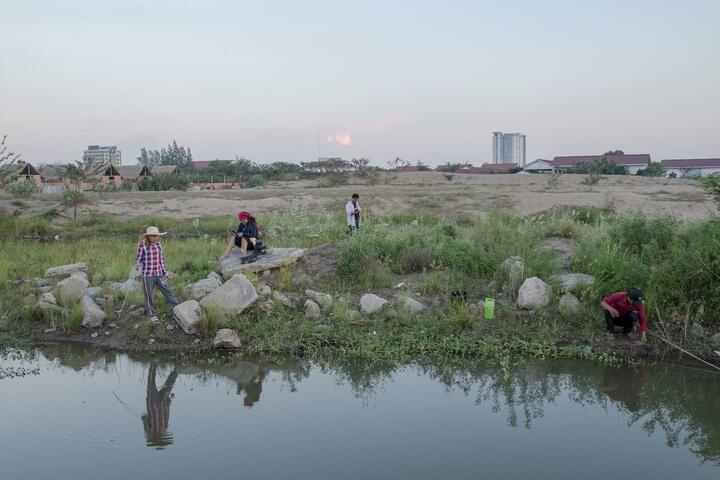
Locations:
(256, 181)
(24, 189)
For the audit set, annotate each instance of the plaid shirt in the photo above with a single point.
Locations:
(151, 259)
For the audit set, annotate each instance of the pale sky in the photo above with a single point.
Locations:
(285, 80)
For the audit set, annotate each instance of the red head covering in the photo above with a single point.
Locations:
(244, 216)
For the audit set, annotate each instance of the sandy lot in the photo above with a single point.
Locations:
(423, 192)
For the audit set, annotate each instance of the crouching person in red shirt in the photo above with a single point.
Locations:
(625, 309)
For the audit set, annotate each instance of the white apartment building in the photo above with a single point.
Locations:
(509, 148)
(109, 155)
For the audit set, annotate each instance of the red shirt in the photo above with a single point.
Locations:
(620, 302)
(151, 258)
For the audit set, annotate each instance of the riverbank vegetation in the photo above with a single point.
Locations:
(451, 264)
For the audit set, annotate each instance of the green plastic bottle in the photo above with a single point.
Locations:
(489, 308)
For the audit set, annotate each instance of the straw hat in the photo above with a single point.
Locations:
(153, 231)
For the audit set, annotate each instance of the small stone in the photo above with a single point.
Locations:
(325, 300)
(286, 300)
(371, 303)
(49, 330)
(170, 327)
(107, 334)
(112, 325)
(399, 285)
(716, 339)
(569, 305)
(94, 334)
(414, 223)
(312, 310)
(226, 338)
(268, 306)
(42, 283)
(473, 307)
(136, 312)
(151, 341)
(94, 291)
(44, 290)
(411, 305)
(265, 291)
(323, 326)
(352, 314)
(196, 341)
(390, 314)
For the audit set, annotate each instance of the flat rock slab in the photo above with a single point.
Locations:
(274, 258)
(64, 271)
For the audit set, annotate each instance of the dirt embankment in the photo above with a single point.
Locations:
(421, 192)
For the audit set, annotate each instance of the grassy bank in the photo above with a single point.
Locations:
(676, 264)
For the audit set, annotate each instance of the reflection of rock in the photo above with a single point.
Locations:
(274, 258)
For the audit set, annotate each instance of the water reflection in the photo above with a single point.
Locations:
(680, 403)
(157, 417)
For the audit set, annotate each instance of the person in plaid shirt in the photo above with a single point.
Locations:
(151, 265)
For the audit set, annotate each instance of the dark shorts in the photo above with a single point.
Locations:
(238, 243)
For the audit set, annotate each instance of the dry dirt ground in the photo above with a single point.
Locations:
(421, 192)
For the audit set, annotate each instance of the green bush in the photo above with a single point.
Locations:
(256, 181)
(24, 189)
(164, 182)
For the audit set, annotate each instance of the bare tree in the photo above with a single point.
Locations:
(6, 158)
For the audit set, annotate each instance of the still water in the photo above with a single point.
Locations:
(69, 412)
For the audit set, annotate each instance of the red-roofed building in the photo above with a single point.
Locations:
(692, 167)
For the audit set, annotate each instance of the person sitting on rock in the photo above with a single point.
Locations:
(625, 309)
(245, 237)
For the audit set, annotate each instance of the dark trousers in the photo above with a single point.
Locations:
(149, 283)
(626, 321)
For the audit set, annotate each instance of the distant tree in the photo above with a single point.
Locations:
(654, 169)
(150, 158)
(172, 155)
(422, 167)
(361, 165)
(6, 158)
(454, 167)
(77, 174)
(397, 162)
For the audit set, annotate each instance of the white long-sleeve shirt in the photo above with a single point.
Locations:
(350, 211)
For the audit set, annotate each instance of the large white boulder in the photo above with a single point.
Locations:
(204, 287)
(226, 338)
(188, 315)
(534, 294)
(371, 303)
(93, 316)
(71, 290)
(325, 300)
(64, 271)
(231, 298)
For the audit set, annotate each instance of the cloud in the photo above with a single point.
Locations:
(340, 139)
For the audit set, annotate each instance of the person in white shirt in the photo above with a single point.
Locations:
(352, 209)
